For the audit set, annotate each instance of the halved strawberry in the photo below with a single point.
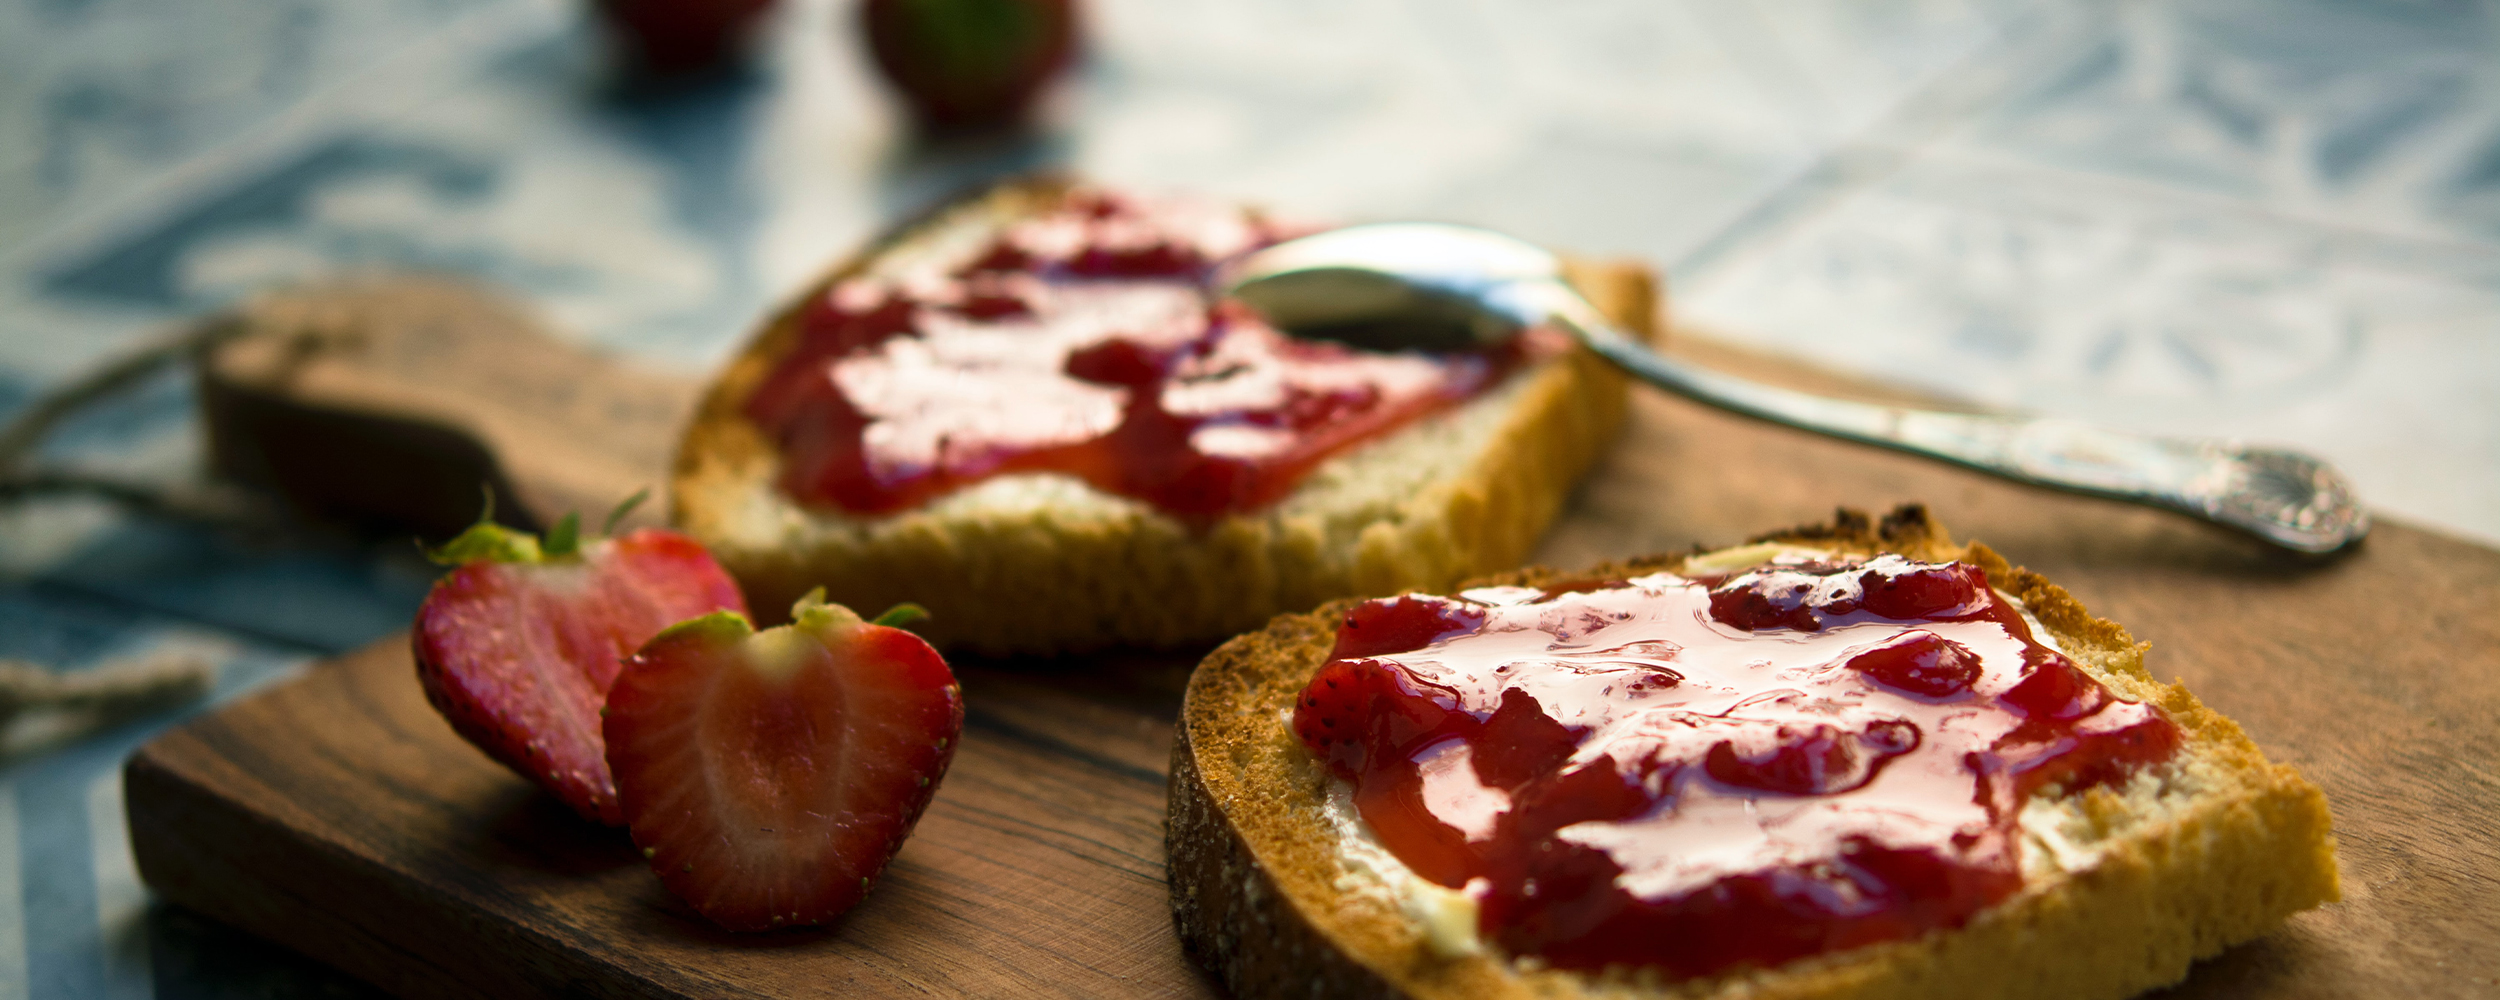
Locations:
(769, 776)
(518, 645)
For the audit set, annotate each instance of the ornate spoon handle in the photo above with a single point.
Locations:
(2284, 497)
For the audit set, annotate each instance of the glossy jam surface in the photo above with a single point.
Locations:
(1698, 774)
(1085, 342)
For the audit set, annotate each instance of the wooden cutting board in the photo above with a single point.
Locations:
(338, 815)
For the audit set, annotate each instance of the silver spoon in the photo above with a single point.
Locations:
(1395, 286)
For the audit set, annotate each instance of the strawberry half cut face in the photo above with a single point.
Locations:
(769, 776)
(517, 647)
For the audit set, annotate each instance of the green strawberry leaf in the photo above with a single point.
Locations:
(565, 538)
(617, 516)
(901, 615)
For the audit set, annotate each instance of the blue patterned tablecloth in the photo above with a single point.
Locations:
(2273, 219)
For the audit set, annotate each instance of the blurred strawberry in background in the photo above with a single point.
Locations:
(681, 37)
(970, 64)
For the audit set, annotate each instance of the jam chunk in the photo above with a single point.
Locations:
(1700, 774)
(1085, 342)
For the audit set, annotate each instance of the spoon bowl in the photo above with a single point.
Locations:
(1397, 286)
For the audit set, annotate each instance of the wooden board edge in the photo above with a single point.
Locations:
(212, 853)
(176, 827)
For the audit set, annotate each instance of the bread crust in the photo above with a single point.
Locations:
(1043, 563)
(2209, 850)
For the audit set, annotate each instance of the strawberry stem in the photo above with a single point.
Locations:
(812, 614)
(721, 624)
(488, 542)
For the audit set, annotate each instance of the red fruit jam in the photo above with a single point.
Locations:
(1084, 342)
(1700, 774)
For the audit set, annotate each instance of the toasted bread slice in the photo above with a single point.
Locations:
(2123, 886)
(1046, 562)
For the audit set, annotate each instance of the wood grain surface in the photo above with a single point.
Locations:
(387, 402)
(338, 815)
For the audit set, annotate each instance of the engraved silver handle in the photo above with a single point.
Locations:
(2284, 497)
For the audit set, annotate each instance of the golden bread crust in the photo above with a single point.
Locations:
(2217, 848)
(1045, 563)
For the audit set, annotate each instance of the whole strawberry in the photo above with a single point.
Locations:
(678, 37)
(518, 645)
(769, 776)
(970, 63)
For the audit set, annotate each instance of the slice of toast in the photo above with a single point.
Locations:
(2123, 886)
(1045, 562)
